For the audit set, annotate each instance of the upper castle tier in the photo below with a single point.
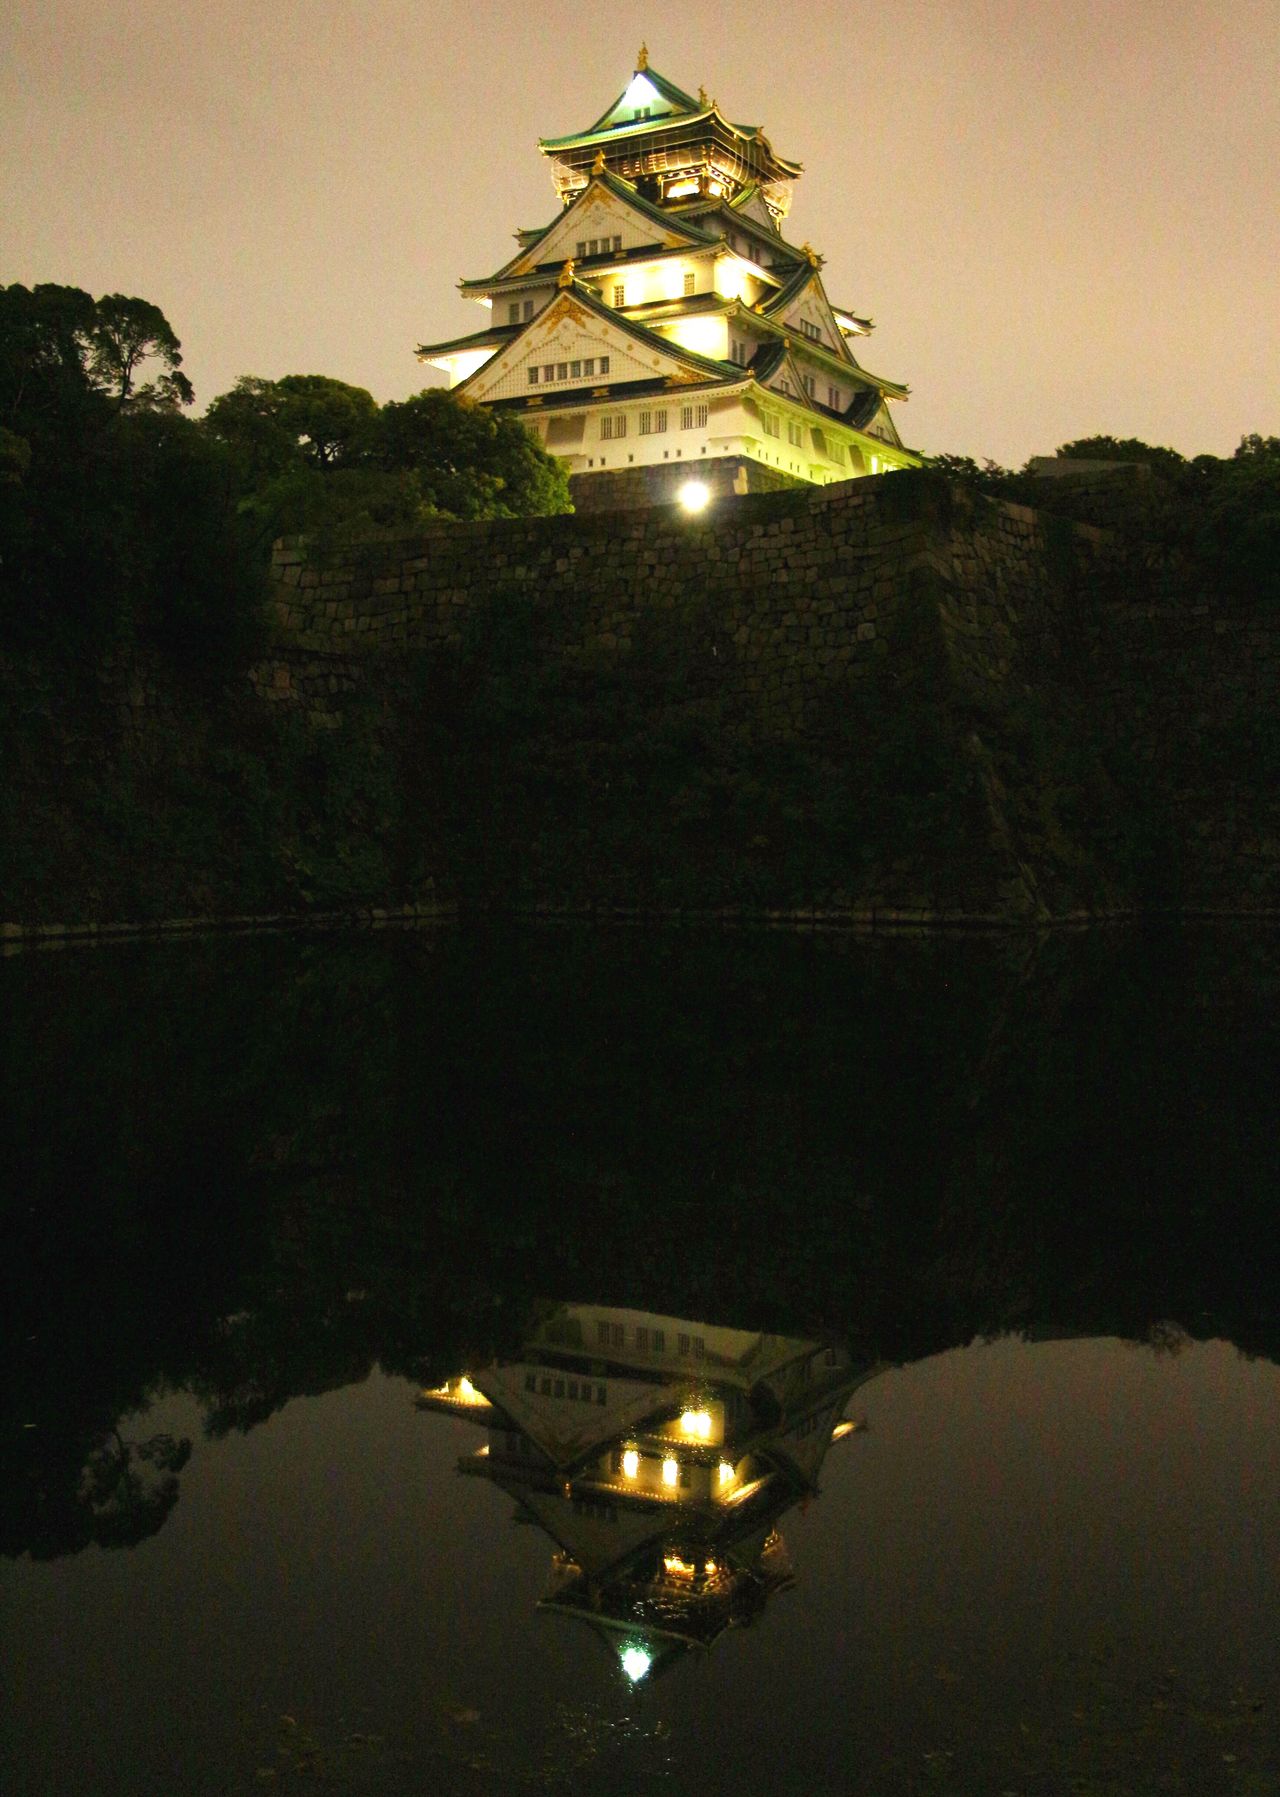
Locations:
(663, 319)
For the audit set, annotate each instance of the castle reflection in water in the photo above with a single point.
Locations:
(659, 1454)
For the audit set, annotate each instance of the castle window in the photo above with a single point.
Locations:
(793, 433)
(646, 425)
(684, 1339)
(589, 367)
(688, 284)
(533, 376)
(575, 370)
(691, 418)
(593, 248)
(619, 294)
(642, 1335)
(833, 398)
(562, 371)
(617, 246)
(513, 313)
(808, 385)
(604, 364)
(548, 371)
(810, 330)
(528, 309)
(643, 112)
(582, 249)
(771, 425)
(659, 1341)
(659, 421)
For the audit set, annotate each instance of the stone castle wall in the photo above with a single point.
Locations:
(1070, 671)
(794, 587)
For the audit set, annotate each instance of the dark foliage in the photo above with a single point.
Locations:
(118, 521)
(314, 455)
(1222, 512)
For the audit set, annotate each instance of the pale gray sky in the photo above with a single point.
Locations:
(1064, 215)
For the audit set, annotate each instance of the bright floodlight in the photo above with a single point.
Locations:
(635, 1663)
(695, 495)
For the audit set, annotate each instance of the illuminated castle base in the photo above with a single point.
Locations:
(662, 323)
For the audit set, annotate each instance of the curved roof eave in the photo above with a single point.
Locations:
(667, 88)
(707, 365)
(551, 146)
(622, 189)
(494, 337)
(793, 340)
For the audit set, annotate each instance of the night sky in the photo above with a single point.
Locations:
(1064, 215)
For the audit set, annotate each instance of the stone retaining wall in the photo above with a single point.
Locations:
(793, 588)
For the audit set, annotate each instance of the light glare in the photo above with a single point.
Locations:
(635, 1663)
(695, 495)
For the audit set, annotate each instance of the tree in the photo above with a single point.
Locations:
(118, 516)
(315, 454)
(1122, 449)
(1234, 521)
(470, 462)
(126, 333)
(303, 419)
(44, 337)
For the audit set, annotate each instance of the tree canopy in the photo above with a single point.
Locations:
(1221, 511)
(315, 454)
(118, 515)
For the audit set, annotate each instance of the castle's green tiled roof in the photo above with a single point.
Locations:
(688, 110)
(495, 336)
(624, 190)
(682, 101)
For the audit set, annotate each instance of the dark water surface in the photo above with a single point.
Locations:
(329, 1262)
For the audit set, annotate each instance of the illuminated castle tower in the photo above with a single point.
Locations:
(658, 1454)
(663, 323)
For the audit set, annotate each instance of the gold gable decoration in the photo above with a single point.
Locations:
(642, 61)
(565, 277)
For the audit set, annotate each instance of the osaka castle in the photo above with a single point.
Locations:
(663, 327)
(659, 1454)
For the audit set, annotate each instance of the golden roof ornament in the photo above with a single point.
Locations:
(815, 260)
(642, 61)
(565, 277)
(702, 98)
(597, 167)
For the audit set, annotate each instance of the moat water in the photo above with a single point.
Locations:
(563, 1360)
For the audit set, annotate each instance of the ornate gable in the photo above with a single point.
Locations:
(602, 215)
(572, 332)
(803, 307)
(788, 379)
(751, 205)
(647, 95)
